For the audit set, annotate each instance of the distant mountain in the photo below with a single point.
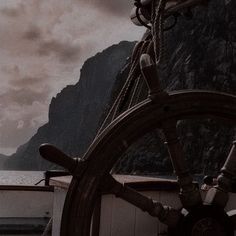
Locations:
(76, 113)
(3, 159)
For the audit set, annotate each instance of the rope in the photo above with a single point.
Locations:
(134, 66)
(40, 181)
(140, 48)
(133, 76)
(157, 29)
(132, 99)
(140, 19)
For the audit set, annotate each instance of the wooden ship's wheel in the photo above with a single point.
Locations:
(160, 110)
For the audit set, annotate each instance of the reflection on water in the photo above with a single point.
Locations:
(32, 177)
(20, 177)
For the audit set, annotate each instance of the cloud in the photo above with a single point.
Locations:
(27, 81)
(115, 7)
(33, 33)
(13, 11)
(65, 52)
(23, 96)
(19, 124)
(43, 45)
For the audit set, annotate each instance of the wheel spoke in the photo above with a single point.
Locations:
(189, 192)
(218, 195)
(165, 214)
(75, 166)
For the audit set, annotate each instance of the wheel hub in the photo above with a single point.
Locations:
(208, 226)
(205, 221)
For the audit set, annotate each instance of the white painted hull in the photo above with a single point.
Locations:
(119, 218)
(24, 210)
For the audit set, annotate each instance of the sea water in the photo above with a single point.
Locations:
(21, 177)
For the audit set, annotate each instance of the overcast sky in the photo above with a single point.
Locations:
(43, 44)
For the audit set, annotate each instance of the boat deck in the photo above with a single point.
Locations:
(113, 209)
(137, 182)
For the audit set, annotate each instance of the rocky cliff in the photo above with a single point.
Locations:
(76, 112)
(200, 54)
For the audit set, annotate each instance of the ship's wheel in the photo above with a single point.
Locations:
(91, 174)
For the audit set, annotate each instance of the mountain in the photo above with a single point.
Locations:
(3, 159)
(76, 112)
(200, 53)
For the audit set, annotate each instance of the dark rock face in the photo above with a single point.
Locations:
(3, 159)
(200, 54)
(75, 114)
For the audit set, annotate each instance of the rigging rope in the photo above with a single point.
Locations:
(158, 8)
(134, 67)
(155, 46)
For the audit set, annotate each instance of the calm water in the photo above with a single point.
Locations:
(20, 177)
(32, 177)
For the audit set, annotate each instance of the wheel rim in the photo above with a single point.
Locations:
(109, 146)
